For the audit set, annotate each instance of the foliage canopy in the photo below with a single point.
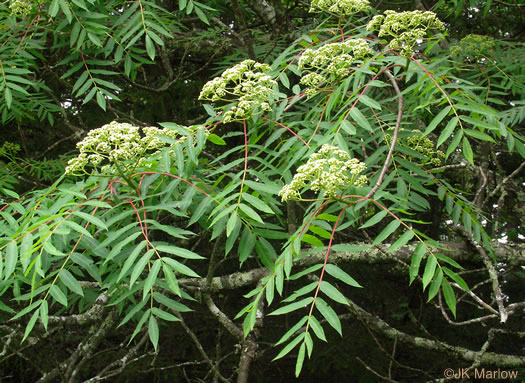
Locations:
(361, 136)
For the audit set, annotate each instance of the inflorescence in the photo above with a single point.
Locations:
(405, 28)
(473, 47)
(330, 170)
(422, 145)
(247, 84)
(331, 62)
(122, 144)
(340, 7)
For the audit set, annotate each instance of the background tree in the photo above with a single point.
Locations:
(348, 170)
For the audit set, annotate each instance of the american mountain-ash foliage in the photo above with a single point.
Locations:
(262, 190)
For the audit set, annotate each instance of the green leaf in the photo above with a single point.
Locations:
(249, 321)
(91, 219)
(349, 248)
(200, 210)
(53, 8)
(65, 8)
(340, 274)
(290, 346)
(385, 233)
(171, 280)
(314, 241)
(300, 360)
(130, 260)
(479, 135)
(292, 330)
(44, 313)
(201, 15)
(333, 293)
(369, 102)
(164, 315)
(360, 119)
(232, 221)
(30, 325)
(402, 240)
(178, 251)
(257, 203)
(216, 139)
(320, 232)
(348, 127)
(134, 310)
(8, 97)
(180, 268)
(142, 320)
(448, 294)
(308, 341)
(265, 188)
(329, 314)
(445, 134)
(101, 100)
(454, 143)
(327, 217)
(51, 249)
(71, 282)
(284, 79)
(317, 328)
(78, 228)
(303, 303)
(174, 305)
(58, 294)
(150, 47)
(94, 39)
(430, 268)
(435, 285)
(266, 252)
(436, 120)
(450, 261)
(376, 218)
(456, 278)
(246, 244)
(416, 261)
(270, 290)
(11, 258)
(26, 310)
(137, 270)
(151, 278)
(250, 213)
(467, 151)
(153, 332)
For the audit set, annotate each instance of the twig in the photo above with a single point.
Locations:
(386, 379)
(394, 136)
(488, 358)
(477, 199)
(464, 323)
(120, 364)
(505, 180)
(195, 340)
(493, 274)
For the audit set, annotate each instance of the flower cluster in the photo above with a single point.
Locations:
(405, 28)
(247, 84)
(331, 62)
(21, 7)
(423, 145)
(340, 7)
(473, 47)
(9, 150)
(329, 170)
(119, 143)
